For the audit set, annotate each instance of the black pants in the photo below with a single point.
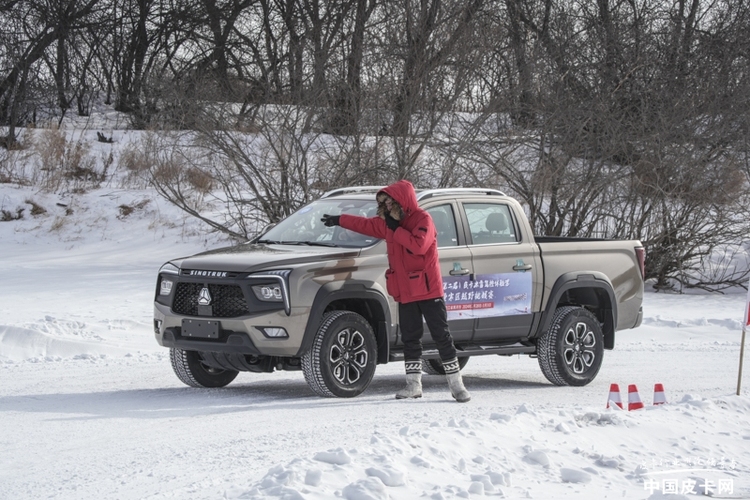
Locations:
(435, 315)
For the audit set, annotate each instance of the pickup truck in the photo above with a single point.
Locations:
(303, 296)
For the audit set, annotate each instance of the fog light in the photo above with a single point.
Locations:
(165, 288)
(274, 333)
(157, 326)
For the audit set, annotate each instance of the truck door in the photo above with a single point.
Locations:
(455, 264)
(506, 273)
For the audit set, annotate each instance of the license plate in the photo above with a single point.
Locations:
(200, 328)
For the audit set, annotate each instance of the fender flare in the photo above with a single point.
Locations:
(584, 280)
(354, 289)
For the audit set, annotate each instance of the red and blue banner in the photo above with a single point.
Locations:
(487, 295)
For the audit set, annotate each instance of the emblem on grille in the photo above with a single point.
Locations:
(204, 298)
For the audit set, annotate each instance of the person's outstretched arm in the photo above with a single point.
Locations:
(370, 226)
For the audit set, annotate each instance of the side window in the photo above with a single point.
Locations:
(445, 224)
(490, 223)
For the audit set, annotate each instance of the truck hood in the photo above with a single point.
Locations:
(256, 257)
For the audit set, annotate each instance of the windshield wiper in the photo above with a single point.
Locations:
(309, 243)
(277, 242)
(318, 244)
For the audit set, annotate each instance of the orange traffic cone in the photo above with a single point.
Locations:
(614, 395)
(659, 397)
(634, 399)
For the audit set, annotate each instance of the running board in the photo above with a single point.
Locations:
(474, 350)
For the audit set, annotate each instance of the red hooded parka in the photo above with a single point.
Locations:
(414, 272)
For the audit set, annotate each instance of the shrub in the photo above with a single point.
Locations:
(64, 163)
(7, 215)
(36, 209)
(126, 210)
(136, 160)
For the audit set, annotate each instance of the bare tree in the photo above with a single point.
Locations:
(348, 103)
(262, 161)
(32, 29)
(430, 34)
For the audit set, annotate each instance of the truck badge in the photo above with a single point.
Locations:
(204, 298)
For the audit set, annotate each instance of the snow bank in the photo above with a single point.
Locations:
(78, 274)
(535, 454)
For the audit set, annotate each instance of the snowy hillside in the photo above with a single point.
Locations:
(90, 407)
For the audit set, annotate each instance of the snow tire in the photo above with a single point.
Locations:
(190, 369)
(435, 366)
(571, 351)
(342, 359)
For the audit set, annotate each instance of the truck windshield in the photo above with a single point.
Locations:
(304, 227)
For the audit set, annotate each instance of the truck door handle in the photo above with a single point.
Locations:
(459, 272)
(522, 267)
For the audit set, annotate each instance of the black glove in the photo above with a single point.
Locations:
(391, 222)
(331, 220)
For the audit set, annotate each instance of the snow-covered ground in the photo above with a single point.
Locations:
(90, 407)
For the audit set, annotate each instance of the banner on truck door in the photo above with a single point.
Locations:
(487, 295)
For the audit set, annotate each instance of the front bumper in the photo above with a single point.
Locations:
(243, 335)
(233, 342)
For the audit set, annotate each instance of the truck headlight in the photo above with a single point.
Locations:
(269, 293)
(167, 276)
(277, 291)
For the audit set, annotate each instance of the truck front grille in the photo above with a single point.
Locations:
(227, 301)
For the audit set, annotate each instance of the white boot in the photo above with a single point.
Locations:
(455, 383)
(413, 387)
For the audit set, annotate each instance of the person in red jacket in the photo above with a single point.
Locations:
(413, 279)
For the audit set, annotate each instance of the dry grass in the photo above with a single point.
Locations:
(36, 209)
(137, 159)
(12, 165)
(162, 160)
(50, 148)
(167, 171)
(134, 159)
(126, 210)
(58, 224)
(9, 215)
(200, 180)
(61, 163)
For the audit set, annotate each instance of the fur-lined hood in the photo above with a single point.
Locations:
(404, 197)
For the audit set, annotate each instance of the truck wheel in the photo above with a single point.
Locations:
(341, 361)
(571, 351)
(435, 366)
(189, 367)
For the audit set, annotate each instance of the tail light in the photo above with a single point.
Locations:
(640, 254)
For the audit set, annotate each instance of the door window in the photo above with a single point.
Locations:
(445, 224)
(490, 223)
